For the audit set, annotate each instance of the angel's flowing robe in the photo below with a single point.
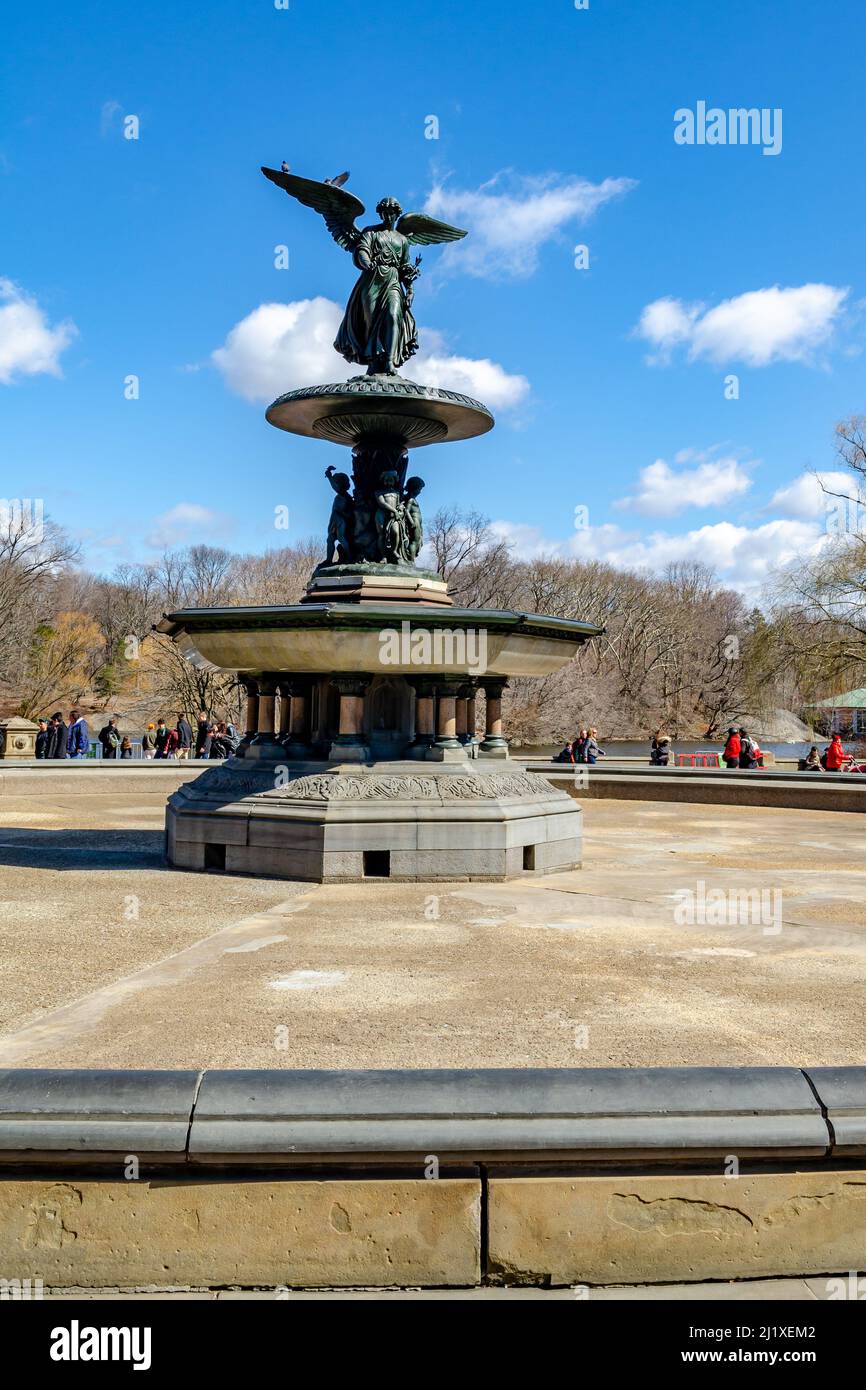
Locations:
(378, 327)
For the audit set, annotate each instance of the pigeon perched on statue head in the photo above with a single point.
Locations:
(338, 180)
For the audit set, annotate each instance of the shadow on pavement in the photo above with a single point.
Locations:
(82, 849)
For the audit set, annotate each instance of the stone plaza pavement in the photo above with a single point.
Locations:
(108, 959)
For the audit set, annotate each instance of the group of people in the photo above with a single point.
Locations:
(159, 741)
(741, 750)
(582, 749)
(833, 759)
(212, 739)
(57, 739)
(215, 738)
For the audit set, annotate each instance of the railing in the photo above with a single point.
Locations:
(702, 759)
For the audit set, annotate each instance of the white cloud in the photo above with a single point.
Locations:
(758, 328)
(666, 491)
(188, 522)
(743, 557)
(805, 499)
(28, 344)
(510, 217)
(281, 347)
(487, 381)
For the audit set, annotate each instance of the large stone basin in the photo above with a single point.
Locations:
(344, 637)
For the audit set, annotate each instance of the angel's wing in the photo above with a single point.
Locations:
(417, 227)
(338, 207)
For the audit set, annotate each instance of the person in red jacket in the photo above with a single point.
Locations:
(835, 756)
(731, 754)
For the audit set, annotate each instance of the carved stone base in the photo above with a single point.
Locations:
(401, 820)
(367, 582)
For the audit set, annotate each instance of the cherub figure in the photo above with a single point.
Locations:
(389, 517)
(414, 527)
(341, 524)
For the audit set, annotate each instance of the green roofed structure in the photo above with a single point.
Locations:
(848, 711)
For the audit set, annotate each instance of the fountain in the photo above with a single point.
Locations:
(360, 757)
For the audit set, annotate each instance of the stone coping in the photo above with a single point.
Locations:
(571, 1118)
(333, 614)
(639, 767)
(803, 791)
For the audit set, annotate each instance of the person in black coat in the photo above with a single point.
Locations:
(43, 739)
(59, 734)
(184, 736)
(161, 738)
(202, 737)
(109, 737)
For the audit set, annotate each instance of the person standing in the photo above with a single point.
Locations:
(202, 737)
(184, 737)
(835, 756)
(57, 743)
(148, 742)
(109, 737)
(126, 747)
(161, 738)
(592, 752)
(579, 746)
(660, 754)
(747, 751)
(43, 739)
(78, 736)
(731, 754)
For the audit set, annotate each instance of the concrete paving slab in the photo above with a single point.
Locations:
(596, 967)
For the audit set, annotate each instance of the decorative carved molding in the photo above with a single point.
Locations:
(395, 387)
(409, 429)
(240, 781)
(330, 786)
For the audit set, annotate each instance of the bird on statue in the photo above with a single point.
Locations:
(285, 168)
(338, 180)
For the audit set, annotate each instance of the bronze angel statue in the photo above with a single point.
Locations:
(378, 329)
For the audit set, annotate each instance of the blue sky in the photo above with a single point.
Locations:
(556, 128)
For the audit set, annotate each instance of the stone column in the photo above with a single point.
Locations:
(460, 716)
(252, 714)
(285, 708)
(297, 745)
(466, 714)
(425, 711)
(447, 747)
(349, 745)
(266, 744)
(493, 745)
(471, 716)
